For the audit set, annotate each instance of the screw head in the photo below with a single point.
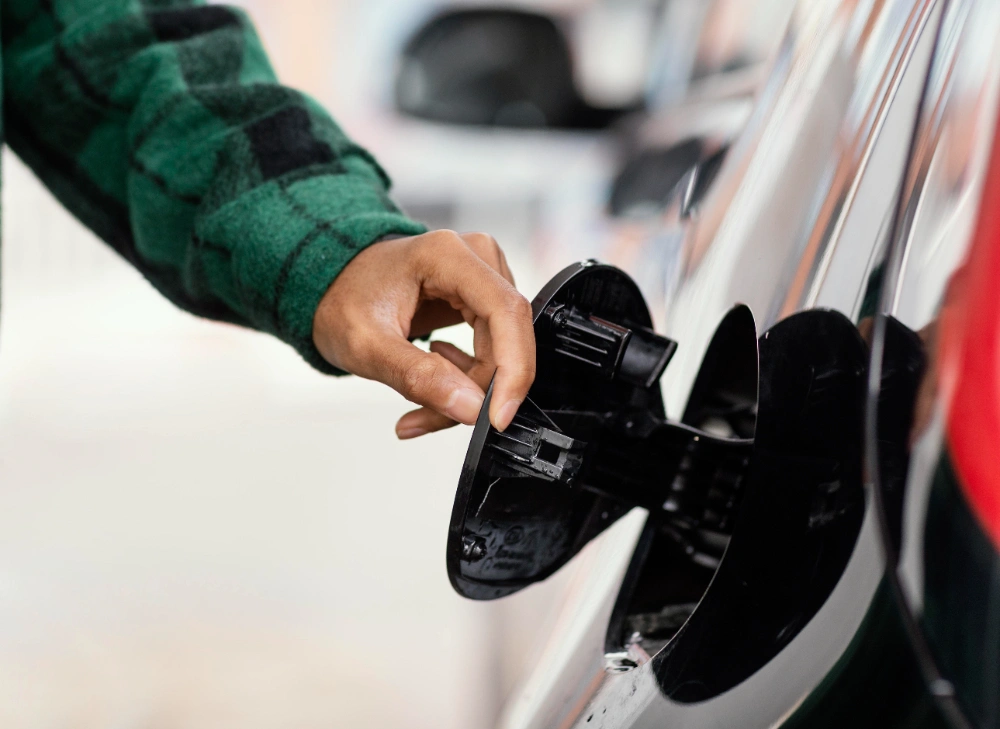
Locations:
(473, 548)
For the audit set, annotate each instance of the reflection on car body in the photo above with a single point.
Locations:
(858, 579)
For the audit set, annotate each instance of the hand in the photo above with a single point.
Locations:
(398, 289)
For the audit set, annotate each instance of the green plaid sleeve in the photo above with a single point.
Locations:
(160, 124)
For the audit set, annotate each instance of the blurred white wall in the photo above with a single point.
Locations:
(196, 530)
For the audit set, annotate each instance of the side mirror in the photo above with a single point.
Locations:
(491, 67)
(654, 177)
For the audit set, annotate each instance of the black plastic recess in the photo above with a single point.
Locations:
(590, 442)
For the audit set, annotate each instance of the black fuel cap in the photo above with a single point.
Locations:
(590, 442)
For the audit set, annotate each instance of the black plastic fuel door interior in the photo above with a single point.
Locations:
(755, 497)
(591, 442)
(710, 627)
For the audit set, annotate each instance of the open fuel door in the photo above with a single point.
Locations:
(591, 442)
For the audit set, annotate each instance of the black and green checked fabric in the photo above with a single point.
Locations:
(160, 124)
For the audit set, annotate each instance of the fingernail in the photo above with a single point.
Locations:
(506, 415)
(410, 433)
(464, 406)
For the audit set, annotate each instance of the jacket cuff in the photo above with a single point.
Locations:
(314, 277)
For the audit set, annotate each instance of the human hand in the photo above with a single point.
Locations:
(406, 288)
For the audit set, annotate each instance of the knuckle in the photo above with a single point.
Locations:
(449, 239)
(524, 370)
(418, 376)
(530, 372)
(517, 306)
(520, 375)
(433, 243)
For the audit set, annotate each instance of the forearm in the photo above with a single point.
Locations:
(161, 125)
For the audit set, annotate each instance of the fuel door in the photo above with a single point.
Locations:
(591, 442)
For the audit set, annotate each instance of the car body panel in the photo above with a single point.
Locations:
(945, 568)
(800, 217)
(852, 186)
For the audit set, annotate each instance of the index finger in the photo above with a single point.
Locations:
(508, 316)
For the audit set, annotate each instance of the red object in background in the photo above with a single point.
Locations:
(971, 360)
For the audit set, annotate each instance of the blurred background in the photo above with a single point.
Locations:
(196, 530)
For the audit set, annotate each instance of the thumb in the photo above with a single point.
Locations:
(427, 379)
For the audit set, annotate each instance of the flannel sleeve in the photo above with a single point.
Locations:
(160, 125)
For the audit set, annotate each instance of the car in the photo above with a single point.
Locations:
(549, 65)
(644, 131)
(786, 502)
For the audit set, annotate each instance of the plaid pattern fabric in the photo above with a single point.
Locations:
(160, 124)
